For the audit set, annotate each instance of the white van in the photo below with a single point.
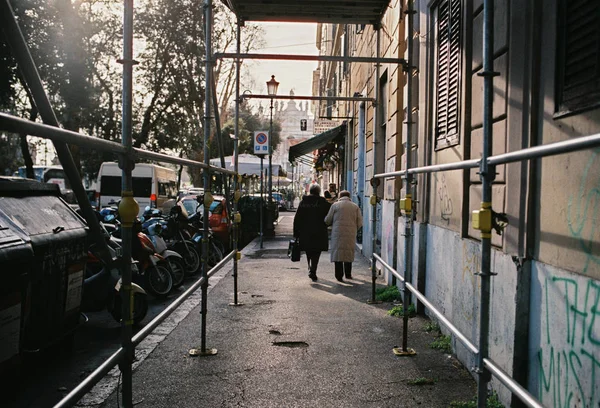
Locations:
(153, 185)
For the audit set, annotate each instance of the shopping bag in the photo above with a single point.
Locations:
(294, 250)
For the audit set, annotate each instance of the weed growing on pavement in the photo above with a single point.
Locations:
(492, 402)
(387, 294)
(398, 311)
(442, 343)
(421, 381)
(432, 326)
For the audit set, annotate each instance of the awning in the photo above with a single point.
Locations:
(248, 168)
(317, 142)
(310, 11)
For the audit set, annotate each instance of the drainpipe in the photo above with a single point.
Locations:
(484, 215)
(375, 181)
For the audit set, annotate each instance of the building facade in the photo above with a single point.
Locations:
(545, 296)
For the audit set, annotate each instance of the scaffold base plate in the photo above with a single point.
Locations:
(400, 353)
(373, 302)
(196, 352)
(236, 304)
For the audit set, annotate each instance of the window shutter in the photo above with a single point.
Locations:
(581, 55)
(448, 72)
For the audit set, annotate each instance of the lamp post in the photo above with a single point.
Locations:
(272, 85)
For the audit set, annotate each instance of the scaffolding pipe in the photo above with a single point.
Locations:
(236, 186)
(447, 323)
(18, 46)
(435, 168)
(487, 175)
(374, 184)
(207, 102)
(512, 385)
(11, 123)
(128, 201)
(311, 98)
(550, 149)
(408, 213)
(300, 57)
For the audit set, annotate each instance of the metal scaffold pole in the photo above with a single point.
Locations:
(208, 21)
(408, 204)
(237, 178)
(487, 175)
(374, 181)
(128, 207)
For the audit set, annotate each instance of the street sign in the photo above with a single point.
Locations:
(261, 142)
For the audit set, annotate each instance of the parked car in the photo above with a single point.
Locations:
(219, 220)
(278, 197)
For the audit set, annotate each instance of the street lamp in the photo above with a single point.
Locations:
(271, 91)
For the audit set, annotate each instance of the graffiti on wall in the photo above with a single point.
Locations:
(569, 357)
(446, 207)
(583, 216)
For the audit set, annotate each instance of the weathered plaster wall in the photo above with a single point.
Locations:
(564, 344)
(453, 286)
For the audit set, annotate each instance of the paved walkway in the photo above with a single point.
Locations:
(295, 343)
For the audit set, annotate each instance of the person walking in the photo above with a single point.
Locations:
(345, 218)
(310, 228)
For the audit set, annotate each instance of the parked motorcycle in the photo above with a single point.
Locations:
(178, 238)
(174, 259)
(102, 284)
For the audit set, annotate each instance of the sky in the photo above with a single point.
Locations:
(285, 38)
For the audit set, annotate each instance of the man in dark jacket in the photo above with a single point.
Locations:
(310, 228)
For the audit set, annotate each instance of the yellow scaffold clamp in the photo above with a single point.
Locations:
(406, 204)
(237, 218)
(482, 220)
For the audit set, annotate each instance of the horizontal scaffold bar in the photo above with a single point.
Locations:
(310, 98)
(15, 124)
(530, 153)
(300, 57)
(467, 164)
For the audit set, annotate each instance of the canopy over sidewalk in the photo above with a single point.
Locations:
(310, 11)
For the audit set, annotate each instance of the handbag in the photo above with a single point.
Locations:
(294, 250)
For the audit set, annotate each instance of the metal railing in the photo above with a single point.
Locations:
(91, 380)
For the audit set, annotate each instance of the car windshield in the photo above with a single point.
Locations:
(216, 207)
(190, 206)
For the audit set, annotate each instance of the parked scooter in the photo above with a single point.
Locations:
(158, 278)
(174, 259)
(102, 284)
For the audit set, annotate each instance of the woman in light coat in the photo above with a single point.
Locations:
(345, 218)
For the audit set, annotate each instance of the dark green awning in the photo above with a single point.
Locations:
(317, 142)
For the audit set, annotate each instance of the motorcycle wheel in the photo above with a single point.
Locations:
(177, 269)
(214, 255)
(159, 281)
(191, 258)
(140, 307)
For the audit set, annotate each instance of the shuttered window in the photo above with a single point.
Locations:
(447, 75)
(578, 65)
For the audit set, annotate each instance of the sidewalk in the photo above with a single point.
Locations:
(295, 343)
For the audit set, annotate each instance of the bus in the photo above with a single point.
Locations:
(153, 186)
